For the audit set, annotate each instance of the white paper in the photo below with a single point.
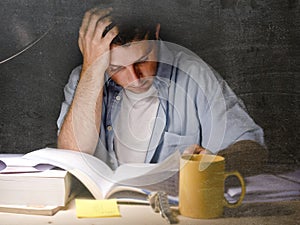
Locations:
(268, 188)
(98, 177)
(14, 163)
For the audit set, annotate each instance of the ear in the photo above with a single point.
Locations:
(157, 31)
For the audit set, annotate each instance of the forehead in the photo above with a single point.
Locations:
(129, 53)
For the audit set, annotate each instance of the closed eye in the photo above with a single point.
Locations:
(142, 60)
(114, 69)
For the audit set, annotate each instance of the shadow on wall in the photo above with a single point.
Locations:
(252, 44)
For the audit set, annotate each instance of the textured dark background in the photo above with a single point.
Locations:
(253, 44)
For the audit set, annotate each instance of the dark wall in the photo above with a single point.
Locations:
(253, 44)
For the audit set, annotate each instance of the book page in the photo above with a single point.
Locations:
(268, 187)
(91, 171)
(24, 209)
(141, 174)
(127, 194)
(292, 176)
(14, 163)
(145, 178)
(170, 185)
(98, 177)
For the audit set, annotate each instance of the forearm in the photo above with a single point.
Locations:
(80, 130)
(247, 157)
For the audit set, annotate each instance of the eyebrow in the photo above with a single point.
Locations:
(150, 48)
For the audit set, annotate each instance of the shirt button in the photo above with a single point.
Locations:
(109, 128)
(118, 97)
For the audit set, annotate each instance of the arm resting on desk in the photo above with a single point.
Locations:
(247, 157)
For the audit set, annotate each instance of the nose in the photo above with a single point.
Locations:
(133, 73)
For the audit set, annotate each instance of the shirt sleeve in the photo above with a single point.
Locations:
(225, 119)
(69, 92)
(222, 115)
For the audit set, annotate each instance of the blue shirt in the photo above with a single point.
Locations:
(196, 107)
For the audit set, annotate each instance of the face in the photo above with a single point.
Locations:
(133, 66)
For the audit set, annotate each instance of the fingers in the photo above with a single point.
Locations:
(93, 24)
(196, 149)
(98, 22)
(205, 151)
(95, 36)
(101, 27)
(91, 18)
(85, 21)
(111, 34)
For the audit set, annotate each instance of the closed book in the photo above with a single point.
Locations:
(24, 209)
(35, 189)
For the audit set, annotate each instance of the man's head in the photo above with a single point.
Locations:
(133, 25)
(133, 58)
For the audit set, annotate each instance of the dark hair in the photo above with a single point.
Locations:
(133, 25)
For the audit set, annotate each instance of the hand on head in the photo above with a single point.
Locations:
(92, 43)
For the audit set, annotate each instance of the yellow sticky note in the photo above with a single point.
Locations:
(89, 208)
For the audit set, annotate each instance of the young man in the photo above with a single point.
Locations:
(138, 99)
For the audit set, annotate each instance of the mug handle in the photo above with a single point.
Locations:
(243, 187)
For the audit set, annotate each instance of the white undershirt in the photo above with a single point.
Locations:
(134, 125)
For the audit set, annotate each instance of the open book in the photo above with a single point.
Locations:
(102, 182)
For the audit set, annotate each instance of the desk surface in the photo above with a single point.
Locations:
(255, 213)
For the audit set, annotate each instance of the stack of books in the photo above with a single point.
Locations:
(30, 188)
(44, 181)
(32, 183)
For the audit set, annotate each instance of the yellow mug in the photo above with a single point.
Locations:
(201, 186)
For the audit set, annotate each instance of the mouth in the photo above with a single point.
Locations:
(140, 85)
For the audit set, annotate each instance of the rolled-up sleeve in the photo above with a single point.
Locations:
(69, 92)
(226, 120)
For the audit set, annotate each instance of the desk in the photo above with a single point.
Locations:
(281, 213)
